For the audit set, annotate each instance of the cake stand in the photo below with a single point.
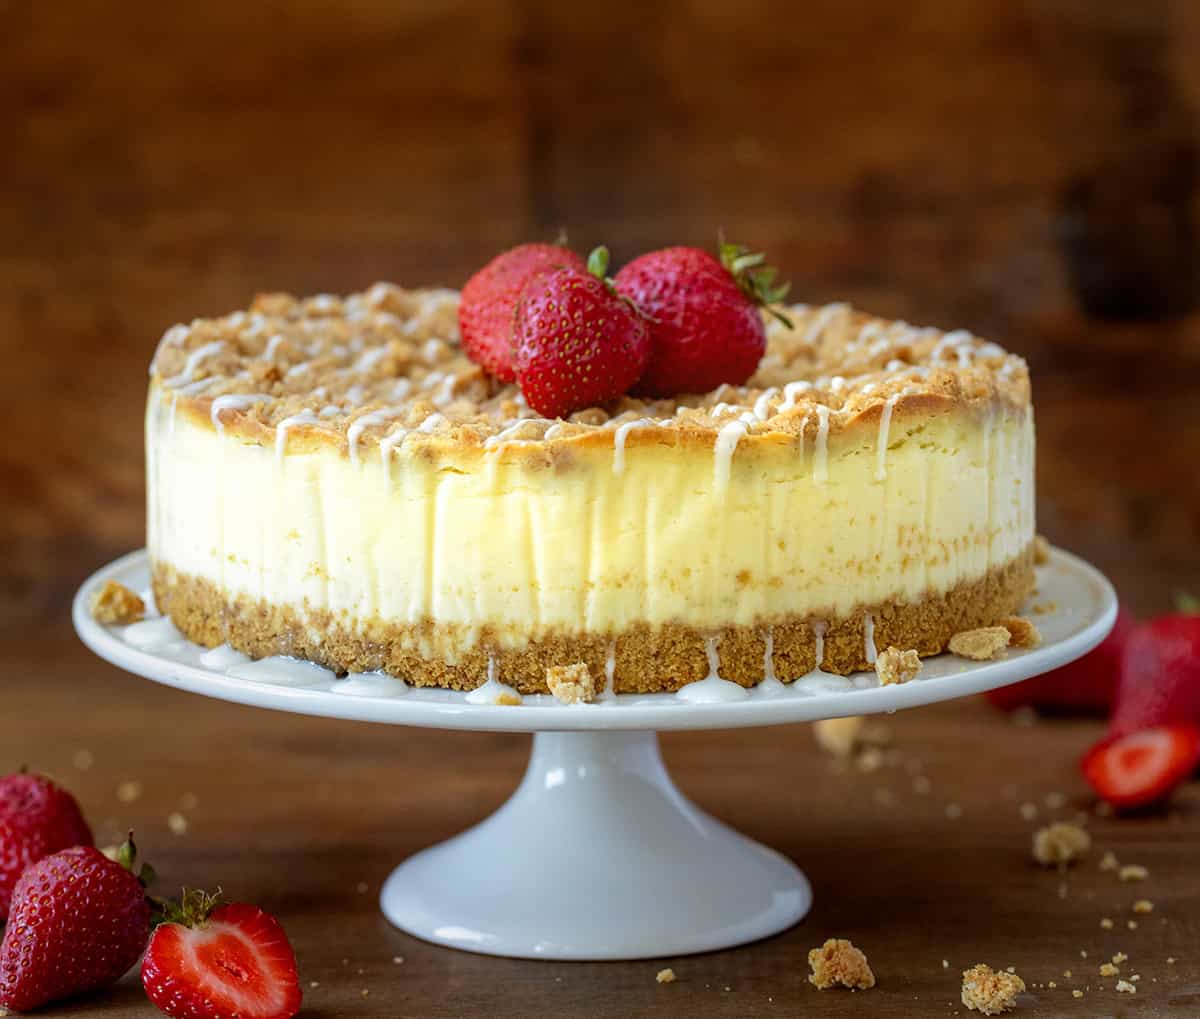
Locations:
(597, 855)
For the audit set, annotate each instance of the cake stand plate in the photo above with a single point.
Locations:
(597, 855)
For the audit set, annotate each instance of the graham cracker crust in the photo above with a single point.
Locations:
(646, 659)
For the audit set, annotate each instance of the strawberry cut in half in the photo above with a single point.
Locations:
(221, 962)
(1142, 767)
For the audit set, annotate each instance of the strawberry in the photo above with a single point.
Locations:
(1142, 767)
(221, 962)
(37, 818)
(78, 922)
(705, 324)
(1086, 686)
(485, 309)
(1160, 675)
(576, 343)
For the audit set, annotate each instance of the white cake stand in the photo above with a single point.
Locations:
(597, 855)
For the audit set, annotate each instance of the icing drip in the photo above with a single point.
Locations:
(727, 439)
(821, 457)
(234, 401)
(885, 424)
(493, 691)
(386, 445)
(818, 630)
(272, 346)
(305, 417)
(770, 685)
(360, 424)
(370, 684)
(369, 358)
(610, 670)
(822, 320)
(619, 437)
(762, 406)
(712, 688)
(279, 670)
(818, 681)
(869, 638)
(791, 391)
(430, 423)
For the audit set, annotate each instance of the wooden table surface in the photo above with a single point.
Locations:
(1025, 170)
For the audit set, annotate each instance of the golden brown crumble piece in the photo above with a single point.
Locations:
(1133, 872)
(1060, 843)
(571, 684)
(1119, 958)
(665, 976)
(1041, 550)
(1125, 987)
(839, 736)
(1021, 632)
(980, 644)
(1109, 861)
(1143, 906)
(115, 605)
(508, 700)
(896, 666)
(984, 990)
(837, 963)
(1109, 969)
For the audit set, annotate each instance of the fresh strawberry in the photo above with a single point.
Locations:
(1085, 686)
(1142, 767)
(221, 962)
(705, 324)
(37, 818)
(78, 922)
(577, 343)
(1160, 675)
(485, 309)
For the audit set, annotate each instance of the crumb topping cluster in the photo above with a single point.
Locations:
(367, 365)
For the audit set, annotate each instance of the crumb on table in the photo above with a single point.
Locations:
(1125, 987)
(837, 963)
(1133, 872)
(980, 644)
(115, 605)
(571, 684)
(1109, 861)
(1022, 633)
(1060, 843)
(987, 991)
(896, 666)
(1109, 969)
(838, 735)
(665, 976)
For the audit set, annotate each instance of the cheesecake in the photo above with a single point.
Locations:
(333, 479)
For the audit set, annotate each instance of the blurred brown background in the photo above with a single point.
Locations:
(1025, 170)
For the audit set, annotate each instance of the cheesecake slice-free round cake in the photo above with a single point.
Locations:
(333, 479)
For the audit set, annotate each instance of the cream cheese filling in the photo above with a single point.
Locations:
(737, 537)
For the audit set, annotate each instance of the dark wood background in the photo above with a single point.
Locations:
(1026, 170)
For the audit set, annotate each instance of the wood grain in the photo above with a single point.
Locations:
(1025, 170)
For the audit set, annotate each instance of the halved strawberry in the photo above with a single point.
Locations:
(1086, 686)
(1142, 767)
(221, 962)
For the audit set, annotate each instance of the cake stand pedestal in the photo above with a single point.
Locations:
(597, 855)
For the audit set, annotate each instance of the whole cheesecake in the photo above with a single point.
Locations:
(332, 479)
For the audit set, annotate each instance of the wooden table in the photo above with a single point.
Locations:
(1028, 171)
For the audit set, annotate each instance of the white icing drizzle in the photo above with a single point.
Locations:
(223, 657)
(272, 346)
(619, 437)
(712, 688)
(297, 369)
(430, 423)
(193, 362)
(445, 393)
(822, 320)
(386, 445)
(818, 629)
(727, 439)
(305, 417)
(791, 391)
(511, 433)
(232, 401)
(370, 684)
(401, 387)
(869, 638)
(881, 445)
(360, 424)
(770, 685)
(610, 670)
(491, 691)
(369, 358)
(762, 406)
(821, 457)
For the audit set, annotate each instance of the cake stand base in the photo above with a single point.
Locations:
(596, 856)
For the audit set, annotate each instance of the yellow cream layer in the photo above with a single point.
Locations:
(736, 536)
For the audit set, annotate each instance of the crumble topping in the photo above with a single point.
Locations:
(980, 644)
(837, 963)
(1060, 843)
(396, 351)
(665, 976)
(571, 684)
(1022, 633)
(896, 666)
(115, 605)
(987, 991)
